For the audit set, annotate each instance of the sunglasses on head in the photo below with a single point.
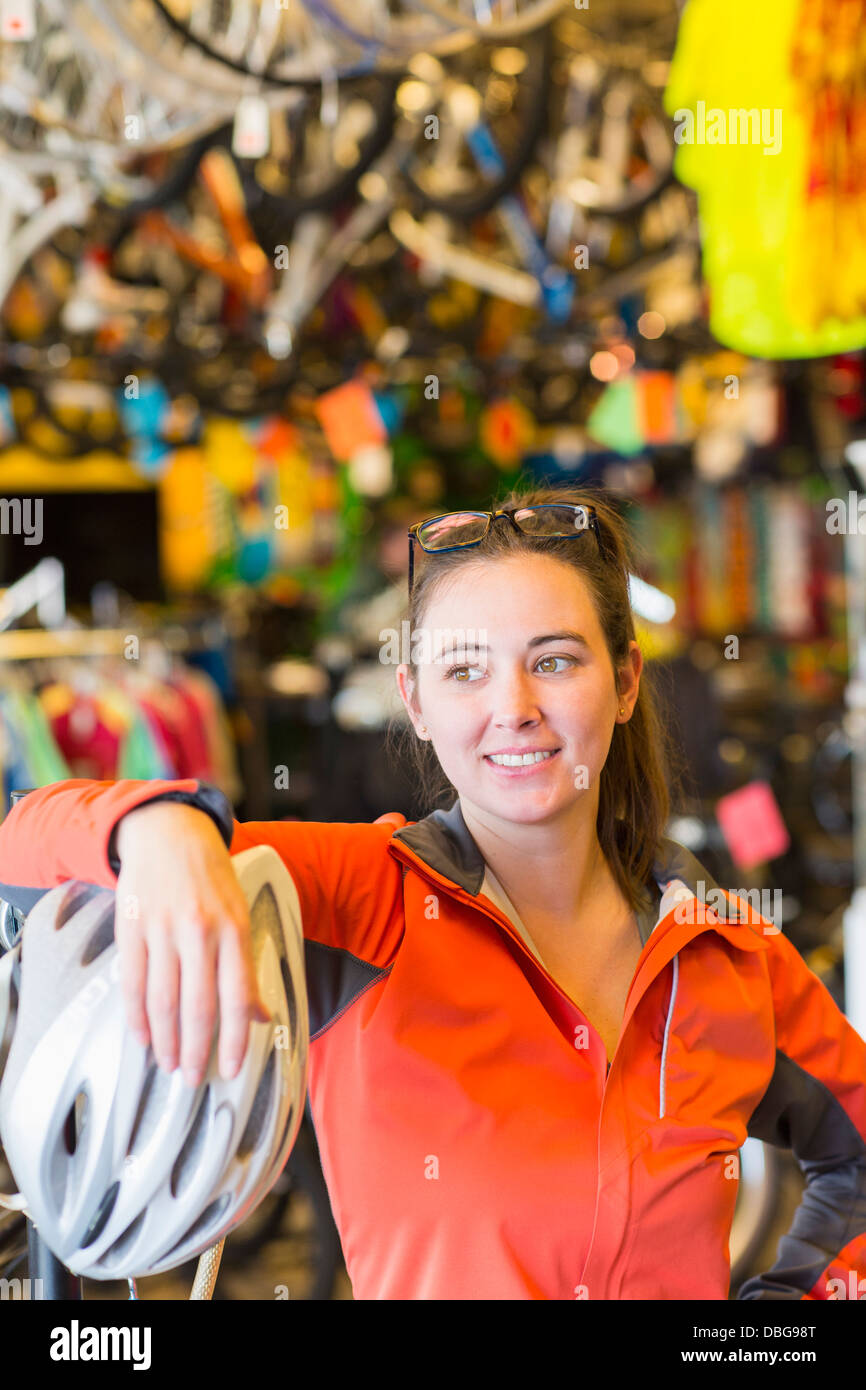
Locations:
(459, 530)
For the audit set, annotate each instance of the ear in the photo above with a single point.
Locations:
(628, 680)
(408, 693)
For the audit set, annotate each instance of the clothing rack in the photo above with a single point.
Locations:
(34, 644)
(128, 677)
(42, 588)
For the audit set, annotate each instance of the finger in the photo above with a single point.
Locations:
(163, 993)
(258, 1011)
(132, 954)
(238, 997)
(198, 1003)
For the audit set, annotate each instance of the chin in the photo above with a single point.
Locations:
(522, 807)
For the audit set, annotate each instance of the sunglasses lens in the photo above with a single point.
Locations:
(457, 528)
(552, 521)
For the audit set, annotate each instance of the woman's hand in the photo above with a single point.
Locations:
(183, 933)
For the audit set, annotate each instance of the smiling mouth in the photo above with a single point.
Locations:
(520, 759)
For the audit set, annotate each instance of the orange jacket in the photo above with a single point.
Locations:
(473, 1142)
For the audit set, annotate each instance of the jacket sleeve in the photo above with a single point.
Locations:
(66, 830)
(349, 886)
(815, 1105)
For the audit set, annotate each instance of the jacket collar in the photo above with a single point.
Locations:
(443, 842)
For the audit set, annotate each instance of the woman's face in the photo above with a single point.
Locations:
(513, 661)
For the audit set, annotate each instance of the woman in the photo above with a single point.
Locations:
(535, 1053)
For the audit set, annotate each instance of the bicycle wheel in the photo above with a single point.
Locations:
(155, 179)
(497, 94)
(314, 37)
(277, 45)
(136, 37)
(615, 147)
(317, 153)
(190, 281)
(75, 77)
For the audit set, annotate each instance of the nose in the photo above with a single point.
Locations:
(514, 701)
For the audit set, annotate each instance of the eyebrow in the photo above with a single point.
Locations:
(566, 635)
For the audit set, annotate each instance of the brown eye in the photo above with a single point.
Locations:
(555, 658)
(461, 673)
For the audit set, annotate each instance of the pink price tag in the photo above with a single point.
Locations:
(752, 825)
(251, 133)
(17, 20)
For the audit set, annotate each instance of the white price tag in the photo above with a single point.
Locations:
(251, 137)
(17, 20)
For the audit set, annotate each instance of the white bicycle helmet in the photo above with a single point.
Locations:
(126, 1171)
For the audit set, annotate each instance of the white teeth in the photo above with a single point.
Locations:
(518, 759)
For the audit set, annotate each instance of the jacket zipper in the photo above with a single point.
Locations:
(455, 891)
(495, 915)
(501, 920)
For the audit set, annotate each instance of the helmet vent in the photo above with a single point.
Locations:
(265, 922)
(287, 1127)
(101, 937)
(73, 1125)
(103, 1213)
(77, 897)
(64, 1141)
(209, 1217)
(261, 1108)
(150, 1107)
(124, 1242)
(291, 1001)
(187, 1160)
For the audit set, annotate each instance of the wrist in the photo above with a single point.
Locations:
(160, 820)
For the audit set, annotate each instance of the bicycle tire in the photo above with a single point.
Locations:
(628, 209)
(465, 207)
(175, 184)
(100, 57)
(266, 207)
(268, 78)
(377, 53)
(220, 383)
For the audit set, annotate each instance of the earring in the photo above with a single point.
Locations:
(622, 709)
(423, 731)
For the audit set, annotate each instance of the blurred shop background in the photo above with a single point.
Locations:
(278, 280)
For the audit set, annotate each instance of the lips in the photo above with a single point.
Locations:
(520, 749)
(521, 758)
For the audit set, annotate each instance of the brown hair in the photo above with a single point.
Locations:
(634, 792)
